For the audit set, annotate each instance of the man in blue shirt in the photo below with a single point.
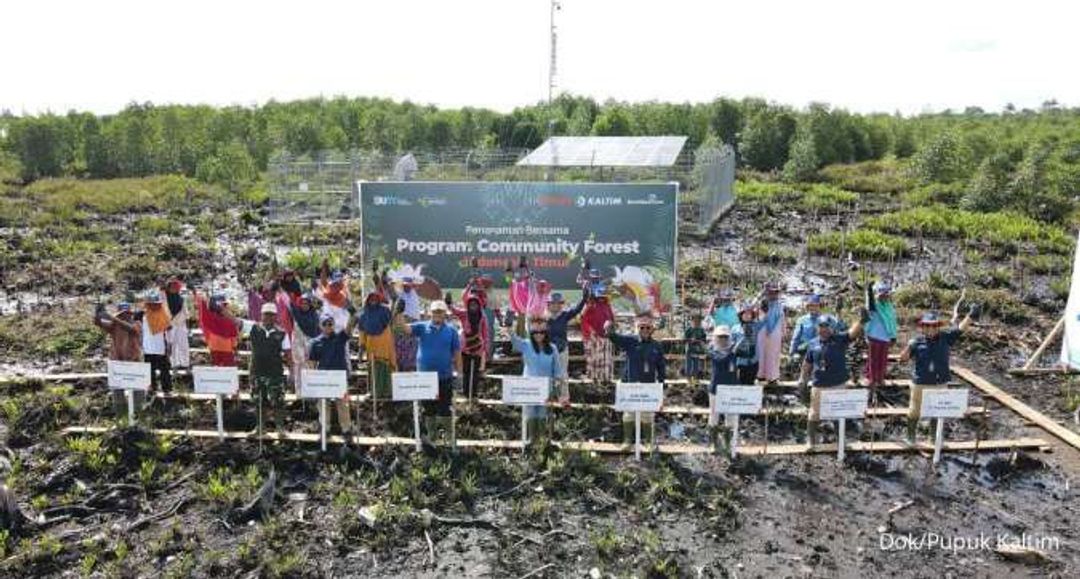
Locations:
(558, 319)
(439, 350)
(805, 327)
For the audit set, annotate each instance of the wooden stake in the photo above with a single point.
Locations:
(416, 424)
(840, 439)
(939, 438)
(1058, 328)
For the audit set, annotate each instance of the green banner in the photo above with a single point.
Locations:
(435, 229)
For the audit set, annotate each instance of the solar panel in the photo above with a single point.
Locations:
(606, 152)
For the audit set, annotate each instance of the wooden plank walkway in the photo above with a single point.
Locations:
(602, 447)
(1068, 436)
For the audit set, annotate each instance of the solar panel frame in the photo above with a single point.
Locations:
(657, 151)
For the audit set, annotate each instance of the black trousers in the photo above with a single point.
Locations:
(446, 398)
(470, 381)
(159, 366)
(747, 374)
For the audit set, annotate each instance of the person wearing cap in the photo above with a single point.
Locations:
(439, 351)
(881, 331)
(696, 341)
(125, 345)
(377, 341)
(475, 340)
(177, 336)
(770, 337)
(806, 328)
(557, 321)
(825, 364)
(305, 319)
(540, 360)
(155, 323)
(221, 329)
(329, 351)
(599, 358)
(930, 350)
(724, 369)
(722, 310)
(744, 338)
(270, 355)
(645, 360)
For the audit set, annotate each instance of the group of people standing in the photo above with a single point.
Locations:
(290, 328)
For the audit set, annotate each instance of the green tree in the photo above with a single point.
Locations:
(803, 162)
(612, 122)
(944, 159)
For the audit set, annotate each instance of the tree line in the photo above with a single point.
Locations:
(995, 155)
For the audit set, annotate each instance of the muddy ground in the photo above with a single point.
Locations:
(130, 504)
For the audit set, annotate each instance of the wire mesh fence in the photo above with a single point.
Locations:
(321, 187)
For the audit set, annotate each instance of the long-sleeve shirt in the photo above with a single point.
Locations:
(124, 338)
(645, 360)
(537, 364)
(930, 357)
(723, 366)
(882, 324)
(828, 359)
(744, 337)
(557, 325)
(805, 331)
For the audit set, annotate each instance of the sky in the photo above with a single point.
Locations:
(866, 56)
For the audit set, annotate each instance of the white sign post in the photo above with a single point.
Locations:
(323, 385)
(942, 403)
(638, 397)
(840, 405)
(415, 386)
(525, 391)
(129, 376)
(733, 401)
(221, 381)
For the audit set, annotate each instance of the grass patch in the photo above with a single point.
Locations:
(883, 176)
(772, 253)
(862, 243)
(805, 196)
(1006, 230)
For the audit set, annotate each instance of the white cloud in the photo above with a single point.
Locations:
(860, 55)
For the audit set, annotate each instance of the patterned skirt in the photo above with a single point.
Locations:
(599, 359)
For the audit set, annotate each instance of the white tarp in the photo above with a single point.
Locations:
(1070, 342)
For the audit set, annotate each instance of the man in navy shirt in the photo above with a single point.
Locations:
(329, 351)
(825, 364)
(439, 350)
(929, 353)
(557, 321)
(645, 362)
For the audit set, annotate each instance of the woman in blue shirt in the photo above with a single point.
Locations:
(540, 359)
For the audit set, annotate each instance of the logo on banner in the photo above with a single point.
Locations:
(650, 200)
(583, 201)
(392, 201)
(431, 201)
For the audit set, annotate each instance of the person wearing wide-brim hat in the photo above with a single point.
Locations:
(599, 357)
(881, 330)
(930, 351)
(125, 345)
